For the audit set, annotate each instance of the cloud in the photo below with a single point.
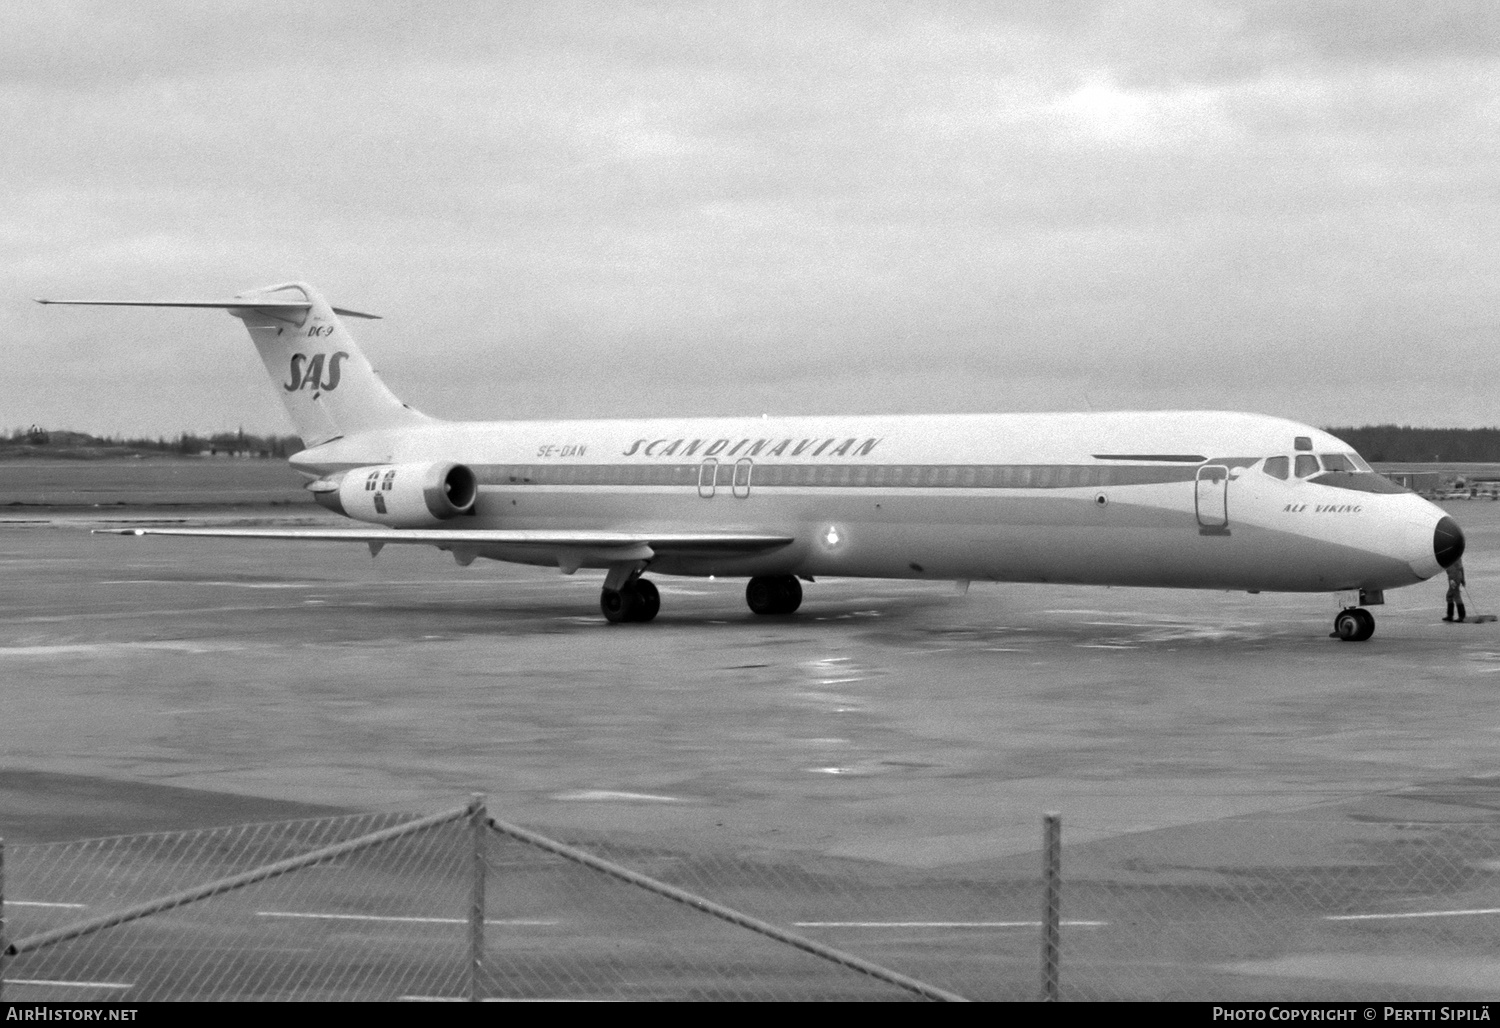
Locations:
(667, 207)
(1375, 32)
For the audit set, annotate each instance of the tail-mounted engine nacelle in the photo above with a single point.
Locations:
(401, 495)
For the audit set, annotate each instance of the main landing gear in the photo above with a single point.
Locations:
(774, 594)
(636, 600)
(1353, 625)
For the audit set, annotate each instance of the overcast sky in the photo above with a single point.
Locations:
(618, 209)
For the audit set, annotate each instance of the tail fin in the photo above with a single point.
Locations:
(329, 388)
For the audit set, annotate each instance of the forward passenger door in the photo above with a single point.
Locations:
(1212, 496)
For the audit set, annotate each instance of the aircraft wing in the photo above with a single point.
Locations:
(591, 546)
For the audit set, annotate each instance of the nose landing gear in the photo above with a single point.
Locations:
(1354, 624)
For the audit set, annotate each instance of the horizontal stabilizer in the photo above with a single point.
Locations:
(721, 542)
(244, 304)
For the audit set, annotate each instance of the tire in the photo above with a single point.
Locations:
(773, 594)
(763, 595)
(619, 605)
(650, 599)
(791, 595)
(1348, 625)
(1367, 624)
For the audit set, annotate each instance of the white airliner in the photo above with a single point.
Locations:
(1188, 499)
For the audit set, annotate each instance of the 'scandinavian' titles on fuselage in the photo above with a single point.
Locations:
(1192, 499)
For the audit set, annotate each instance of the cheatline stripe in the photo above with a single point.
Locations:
(1415, 913)
(727, 475)
(39, 903)
(944, 924)
(405, 920)
(77, 985)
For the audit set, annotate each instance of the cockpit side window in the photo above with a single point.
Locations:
(1336, 462)
(1276, 467)
(1306, 465)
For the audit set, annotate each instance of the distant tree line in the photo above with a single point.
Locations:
(1403, 444)
(187, 443)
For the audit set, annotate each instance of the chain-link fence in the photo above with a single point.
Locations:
(250, 912)
(454, 905)
(1291, 908)
(458, 905)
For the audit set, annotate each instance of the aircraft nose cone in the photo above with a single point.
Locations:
(1447, 542)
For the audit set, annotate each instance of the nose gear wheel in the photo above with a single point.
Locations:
(1354, 624)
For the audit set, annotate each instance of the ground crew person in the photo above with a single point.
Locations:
(1455, 590)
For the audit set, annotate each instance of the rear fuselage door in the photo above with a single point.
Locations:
(707, 474)
(1212, 495)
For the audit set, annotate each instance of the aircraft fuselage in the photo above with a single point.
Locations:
(1175, 499)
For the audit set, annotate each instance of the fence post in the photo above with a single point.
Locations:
(478, 824)
(1051, 905)
(4, 939)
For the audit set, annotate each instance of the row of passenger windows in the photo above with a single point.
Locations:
(725, 475)
(998, 476)
(1031, 476)
(1306, 464)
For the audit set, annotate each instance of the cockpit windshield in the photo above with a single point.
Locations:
(1305, 465)
(1343, 462)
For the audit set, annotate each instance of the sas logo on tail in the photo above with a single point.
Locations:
(308, 374)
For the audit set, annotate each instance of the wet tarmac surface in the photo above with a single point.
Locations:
(896, 721)
(897, 724)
